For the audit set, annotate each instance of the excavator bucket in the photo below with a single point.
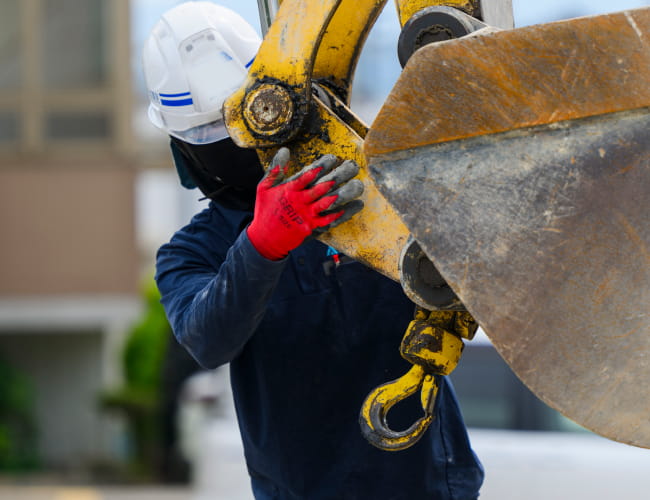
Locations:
(520, 162)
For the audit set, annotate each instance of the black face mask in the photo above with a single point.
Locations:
(221, 170)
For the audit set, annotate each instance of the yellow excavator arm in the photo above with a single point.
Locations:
(506, 175)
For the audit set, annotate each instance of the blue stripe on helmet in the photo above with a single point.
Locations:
(175, 95)
(180, 102)
(249, 62)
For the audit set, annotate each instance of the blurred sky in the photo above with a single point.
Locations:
(145, 12)
(526, 11)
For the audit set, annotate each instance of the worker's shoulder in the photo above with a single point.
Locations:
(218, 219)
(212, 231)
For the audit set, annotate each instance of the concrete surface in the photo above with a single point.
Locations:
(519, 465)
(543, 466)
(93, 493)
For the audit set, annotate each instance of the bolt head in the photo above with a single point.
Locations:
(268, 109)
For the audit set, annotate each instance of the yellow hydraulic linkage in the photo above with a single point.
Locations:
(297, 94)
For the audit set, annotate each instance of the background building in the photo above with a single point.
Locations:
(69, 263)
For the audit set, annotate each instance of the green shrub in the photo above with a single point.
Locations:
(18, 435)
(139, 398)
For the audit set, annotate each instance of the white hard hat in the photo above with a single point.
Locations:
(195, 57)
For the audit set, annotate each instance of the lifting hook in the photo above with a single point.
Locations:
(433, 344)
(376, 406)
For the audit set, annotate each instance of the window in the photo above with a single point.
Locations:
(11, 60)
(73, 44)
(9, 126)
(65, 78)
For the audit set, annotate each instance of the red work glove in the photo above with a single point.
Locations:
(317, 198)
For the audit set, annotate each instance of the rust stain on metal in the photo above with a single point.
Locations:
(515, 79)
(634, 236)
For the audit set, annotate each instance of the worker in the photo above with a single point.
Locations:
(307, 332)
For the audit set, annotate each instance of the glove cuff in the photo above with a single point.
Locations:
(262, 244)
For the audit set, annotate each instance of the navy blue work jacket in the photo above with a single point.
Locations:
(307, 340)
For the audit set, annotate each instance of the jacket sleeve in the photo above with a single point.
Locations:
(214, 295)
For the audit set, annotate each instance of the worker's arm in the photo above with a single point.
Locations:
(215, 295)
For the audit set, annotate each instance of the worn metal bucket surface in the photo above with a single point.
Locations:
(538, 215)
